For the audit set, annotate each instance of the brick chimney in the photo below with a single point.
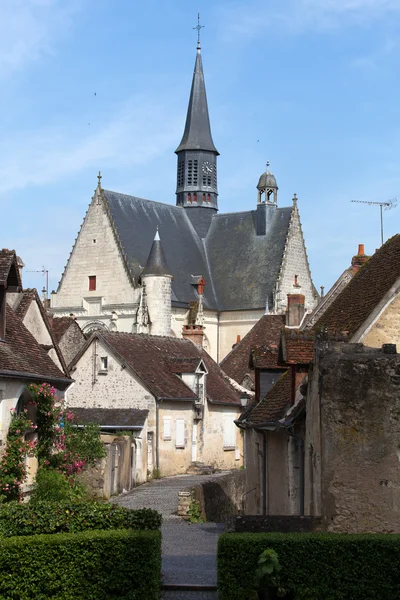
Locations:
(359, 259)
(295, 309)
(195, 333)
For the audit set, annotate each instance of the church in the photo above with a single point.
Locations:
(186, 270)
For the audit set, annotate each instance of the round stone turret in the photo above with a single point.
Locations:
(157, 279)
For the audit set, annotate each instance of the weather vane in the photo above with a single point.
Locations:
(199, 27)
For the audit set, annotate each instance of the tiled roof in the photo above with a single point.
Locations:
(150, 358)
(9, 272)
(364, 292)
(266, 331)
(184, 365)
(297, 347)
(111, 417)
(21, 353)
(59, 325)
(24, 302)
(272, 407)
(264, 357)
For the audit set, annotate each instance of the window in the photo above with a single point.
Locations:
(167, 428)
(104, 363)
(92, 283)
(229, 433)
(181, 165)
(180, 433)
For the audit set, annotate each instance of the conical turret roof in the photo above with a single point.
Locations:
(197, 134)
(156, 262)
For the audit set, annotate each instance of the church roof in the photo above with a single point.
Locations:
(239, 267)
(197, 134)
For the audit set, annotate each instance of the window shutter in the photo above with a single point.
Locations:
(229, 432)
(167, 428)
(180, 433)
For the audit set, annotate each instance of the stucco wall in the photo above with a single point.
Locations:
(174, 460)
(211, 442)
(358, 392)
(386, 329)
(158, 290)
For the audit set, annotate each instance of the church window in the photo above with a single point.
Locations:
(208, 198)
(190, 173)
(189, 198)
(195, 171)
(94, 241)
(92, 283)
(195, 197)
(204, 197)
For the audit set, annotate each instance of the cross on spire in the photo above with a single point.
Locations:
(199, 27)
(99, 178)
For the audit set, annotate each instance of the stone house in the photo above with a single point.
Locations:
(28, 352)
(67, 334)
(187, 404)
(245, 261)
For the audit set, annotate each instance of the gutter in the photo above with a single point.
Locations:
(32, 376)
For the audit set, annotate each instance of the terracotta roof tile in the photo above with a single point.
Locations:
(111, 417)
(364, 292)
(59, 325)
(9, 271)
(265, 357)
(266, 331)
(297, 347)
(272, 407)
(21, 353)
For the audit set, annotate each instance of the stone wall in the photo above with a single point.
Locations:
(386, 328)
(158, 290)
(352, 442)
(219, 498)
(71, 342)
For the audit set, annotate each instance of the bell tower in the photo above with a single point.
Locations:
(197, 156)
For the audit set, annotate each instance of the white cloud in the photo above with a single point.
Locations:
(250, 19)
(29, 28)
(138, 132)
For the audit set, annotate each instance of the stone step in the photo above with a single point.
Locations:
(200, 469)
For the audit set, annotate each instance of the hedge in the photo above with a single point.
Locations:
(314, 566)
(51, 517)
(94, 565)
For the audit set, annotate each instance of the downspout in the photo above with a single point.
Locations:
(218, 315)
(157, 434)
(265, 474)
(300, 464)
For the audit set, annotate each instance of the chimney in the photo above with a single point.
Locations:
(237, 341)
(359, 259)
(195, 333)
(295, 309)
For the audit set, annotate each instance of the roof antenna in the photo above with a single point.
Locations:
(392, 203)
(199, 27)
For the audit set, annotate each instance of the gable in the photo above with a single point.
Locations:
(96, 253)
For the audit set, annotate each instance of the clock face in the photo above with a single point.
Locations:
(207, 168)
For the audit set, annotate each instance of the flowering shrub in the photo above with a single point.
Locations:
(12, 464)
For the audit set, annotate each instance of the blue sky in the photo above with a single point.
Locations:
(310, 85)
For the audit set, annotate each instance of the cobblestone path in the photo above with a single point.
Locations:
(188, 550)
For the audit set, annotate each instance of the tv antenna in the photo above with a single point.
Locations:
(388, 204)
(45, 272)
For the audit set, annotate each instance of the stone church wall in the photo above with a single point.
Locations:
(95, 253)
(386, 329)
(233, 323)
(352, 444)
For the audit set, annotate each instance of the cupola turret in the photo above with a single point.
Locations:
(197, 154)
(267, 188)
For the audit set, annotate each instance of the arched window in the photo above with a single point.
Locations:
(204, 197)
(189, 198)
(208, 198)
(195, 197)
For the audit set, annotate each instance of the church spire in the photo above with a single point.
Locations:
(197, 154)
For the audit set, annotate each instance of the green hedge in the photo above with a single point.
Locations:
(314, 566)
(95, 565)
(51, 517)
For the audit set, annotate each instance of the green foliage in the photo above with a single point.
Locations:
(13, 465)
(314, 566)
(267, 572)
(53, 486)
(156, 473)
(194, 512)
(62, 517)
(96, 565)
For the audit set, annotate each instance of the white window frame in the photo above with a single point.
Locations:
(167, 428)
(180, 433)
(103, 365)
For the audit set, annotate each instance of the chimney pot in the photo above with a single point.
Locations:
(361, 250)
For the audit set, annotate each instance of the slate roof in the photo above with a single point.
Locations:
(364, 292)
(266, 332)
(273, 406)
(239, 267)
(156, 263)
(9, 272)
(21, 355)
(150, 358)
(297, 347)
(197, 133)
(111, 417)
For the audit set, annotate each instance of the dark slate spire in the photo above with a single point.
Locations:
(197, 134)
(156, 262)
